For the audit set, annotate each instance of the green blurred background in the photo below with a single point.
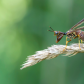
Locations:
(23, 31)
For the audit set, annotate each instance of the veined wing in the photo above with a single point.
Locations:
(78, 24)
(80, 28)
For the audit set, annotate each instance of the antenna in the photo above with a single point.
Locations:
(51, 30)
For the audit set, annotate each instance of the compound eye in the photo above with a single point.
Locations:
(56, 32)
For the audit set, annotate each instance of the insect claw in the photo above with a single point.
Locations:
(64, 49)
(79, 48)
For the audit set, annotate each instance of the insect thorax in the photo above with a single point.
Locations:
(71, 35)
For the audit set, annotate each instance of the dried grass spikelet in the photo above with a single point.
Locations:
(52, 52)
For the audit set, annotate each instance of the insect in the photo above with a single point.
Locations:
(58, 34)
(74, 32)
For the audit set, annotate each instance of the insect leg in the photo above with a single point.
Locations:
(75, 37)
(59, 37)
(67, 43)
(79, 44)
(79, 41)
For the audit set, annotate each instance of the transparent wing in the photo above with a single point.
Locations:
(78, 24)
(80, 28)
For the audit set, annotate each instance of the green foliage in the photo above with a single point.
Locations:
(23, 31)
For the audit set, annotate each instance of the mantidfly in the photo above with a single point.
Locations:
(58, 34)
(74, 32)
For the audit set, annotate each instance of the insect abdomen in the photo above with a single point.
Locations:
(81, 35)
